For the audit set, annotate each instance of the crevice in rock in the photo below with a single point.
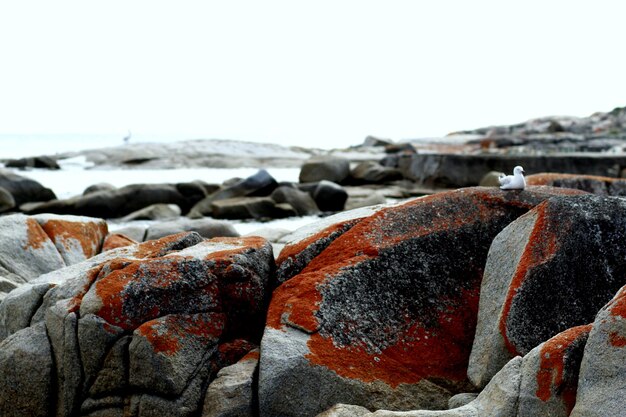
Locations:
(54, 386)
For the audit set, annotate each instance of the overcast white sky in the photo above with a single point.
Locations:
(315, 73)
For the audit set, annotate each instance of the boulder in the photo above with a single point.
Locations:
(590, 183)
(550, 270)
(550, 375)
(116, 240)
(374, 141)
(137, 232)
(602, 380)
(372, 199)
(459, 400)
(498, 399)
(384, 316)
(259, 184)
(329, 196)
(76, 238)
(33, 162)
(207, 228)
(302, 202)
(250, 208)
(327, 168)
(345, 410)
(491, 180)
(154, 212)
(117, 203)
(24, 189)
(7, 202)
(232, 393)
(25, 248)
(143, 328)
(370, 172)
(101, 186)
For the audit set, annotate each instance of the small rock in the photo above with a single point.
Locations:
(325, 168)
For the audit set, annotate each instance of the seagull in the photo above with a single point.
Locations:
(513, 182)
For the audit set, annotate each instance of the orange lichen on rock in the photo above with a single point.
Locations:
(35, 235)
(546, 178)
(91, 275)
(542, 245)
(116, 240)
(552, 365)
(438, 352)
(168, 334)
(617, 305)
(88, 234)
(617, 340)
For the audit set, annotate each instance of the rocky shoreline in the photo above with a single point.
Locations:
(470, 301)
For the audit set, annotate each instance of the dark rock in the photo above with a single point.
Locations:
(385, 315)
(373, 173)
(374, 141)
(24, 189)
(102, 186)
(33, 162)
(301, 201)
(329, 196)
(325, 168)
(7, 202)
(250, 208)
(154, 212)
(259, 184)
(550, 270)
(119, 202)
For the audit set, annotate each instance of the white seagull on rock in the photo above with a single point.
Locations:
(513, 182)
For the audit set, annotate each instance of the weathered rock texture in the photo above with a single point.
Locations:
(550, 270)
(602, 380)
(384, 316)
(135, 331)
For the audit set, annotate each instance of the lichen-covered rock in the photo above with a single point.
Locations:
(76, 238)
(116, 240)
(550, 375)
(384, 316)
(25, 248)
(550, 270)
(498, 399)
(602, 380)
(591, 183)
(233, 393)
(141, 330)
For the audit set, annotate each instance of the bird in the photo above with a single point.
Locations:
(513, 182)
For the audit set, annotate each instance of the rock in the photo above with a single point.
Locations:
(102, 186)
(259, 184)
(590, 183)
(459, 400)
(302, 202)
(491, 180)
(250, 208)
(232, 393)
(272, 234)
(550, 375)
(117, 203)
(462, 170)
(26, 374)
(33, 162)
(370, 172)
(24, 189)
(327, 168)
(116, 240)
(25, 248)
(345, 410)
(374, 198)
(537, 277)
(7, 202)
(374, 141)
(137, 232)
(388, 308)
(17, 309)
(140, 330)
(76, 238)
(154, 212)
(207, 228)
(329, 196)
(305, 243)
(602, 380)
(498, 399)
